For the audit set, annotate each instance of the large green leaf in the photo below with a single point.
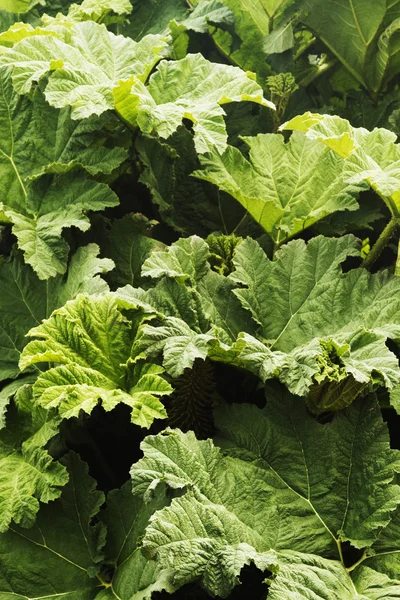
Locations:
(283, 482)
(25, 300)
(93, 346)
(302, 577)
(58, 556)
(84, 68)
(330, 326)
(37, 139)
(51, 205)
(286, 187)
(254, 21)
(28, 472)
(322, 332)
(192, 88)
(370, 57)
(370, 156)
(135, 576)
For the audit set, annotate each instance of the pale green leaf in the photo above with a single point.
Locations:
(84, 68)
(286, 187)
(185, 259)
(25, 300)
(192, 88)
(369, 156)
(92, 345)
(178, 342)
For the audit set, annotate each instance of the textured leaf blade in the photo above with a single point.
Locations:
(187, 89)
(92, 343)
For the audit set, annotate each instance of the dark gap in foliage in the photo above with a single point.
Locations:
(237, 386)
(350, 554)
(252, 588)
(7, 240)
(108, 442)
(392, 419)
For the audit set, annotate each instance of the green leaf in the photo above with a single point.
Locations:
(185, 203)
(187, 89)
(93, 346)
(25, 300)
(52, 205)
(185, 259)
(286, 187)
(369, 156)
(178, 342)
(254, 20)
(370, 27)
(58, 556)
(302, 576)
(39, 139)
(283, 482)
(331, 326)
(279, 40)
(28, 473)
(129, 244)
(16, 6)
(135, 575)
(8, 392)
(84, 68)
(385, 556)
(98, 10)
(153, 16)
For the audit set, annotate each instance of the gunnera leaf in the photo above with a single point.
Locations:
(191, 88)
(84, 67)
(322, 332)
(93, 346)
(286, 187)
(281, 485)
(25, 299)
(59, 555)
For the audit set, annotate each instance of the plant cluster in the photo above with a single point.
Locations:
(199, 299)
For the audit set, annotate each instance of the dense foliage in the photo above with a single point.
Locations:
(199, 299)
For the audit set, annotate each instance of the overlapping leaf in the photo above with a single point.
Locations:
(84, 68)
(371, 26)
(92, 345)
(286, 187)
(192, 88)
(283, 482)
(135, 575)
(308, 331)
(370, 156)
(25, 300)
(28, 473)
(59, 555)
(39, 139)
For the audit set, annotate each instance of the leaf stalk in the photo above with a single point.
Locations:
(381, 242)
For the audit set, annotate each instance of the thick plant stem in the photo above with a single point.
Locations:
(381, 242)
